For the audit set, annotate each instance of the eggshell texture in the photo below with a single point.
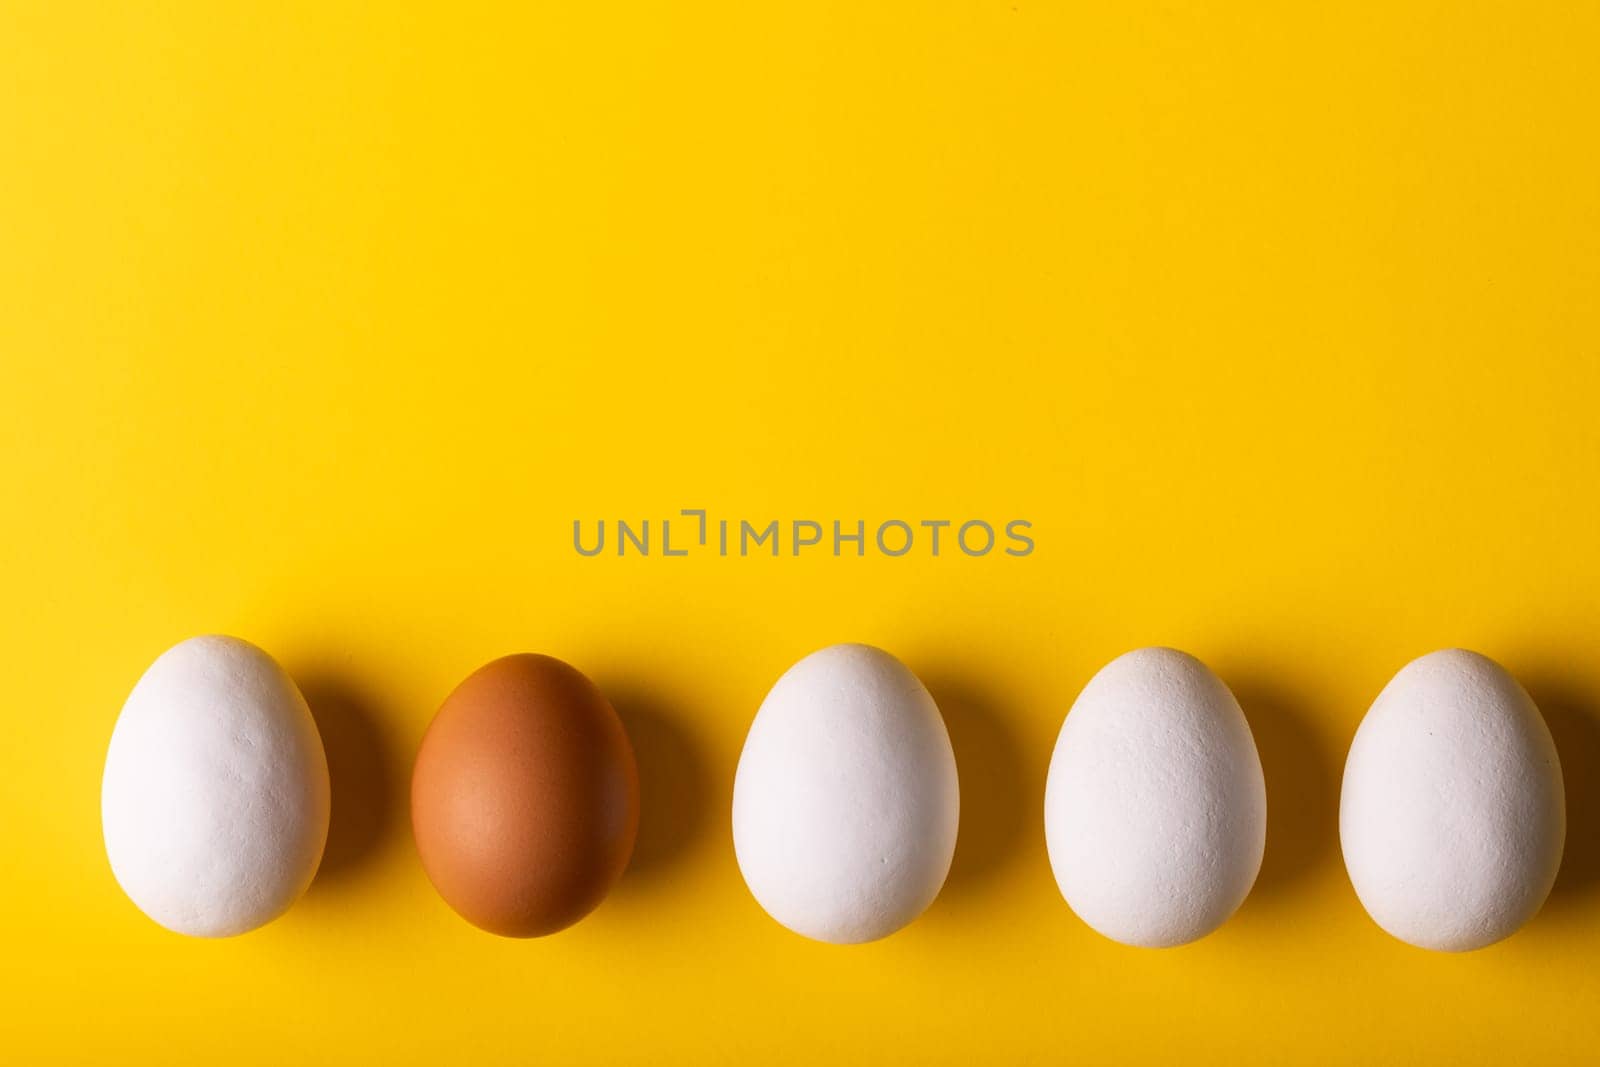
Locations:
(214, 802)
(1155, 808)
(525, 797)
(845, 803)
(1453, 815)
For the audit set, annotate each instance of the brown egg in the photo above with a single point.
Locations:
(525, 797)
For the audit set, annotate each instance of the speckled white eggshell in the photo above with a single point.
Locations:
(214, 802)
(1452, 817)
(845, 803)
(1155, 808)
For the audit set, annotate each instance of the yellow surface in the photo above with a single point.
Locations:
(320, 324)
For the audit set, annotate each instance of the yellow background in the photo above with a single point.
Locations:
(319, 324)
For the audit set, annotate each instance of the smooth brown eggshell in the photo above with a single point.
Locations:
(525, 797)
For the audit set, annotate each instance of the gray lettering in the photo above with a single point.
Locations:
(745, 530)
(1022, 539)
(884, 548)
(702, 513)
(961, 537)
(800, 543)
(859, 537)
(666, 540)
(625, 534)
(600, 542)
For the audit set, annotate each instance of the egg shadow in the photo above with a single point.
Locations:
(1002, 791)
(675, 795)
(1302, 781)
(366, 800)
(1573, 715)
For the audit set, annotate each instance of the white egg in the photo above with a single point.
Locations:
(215, 796)
(845, 803)
(1155, 809)
(1452, 817)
